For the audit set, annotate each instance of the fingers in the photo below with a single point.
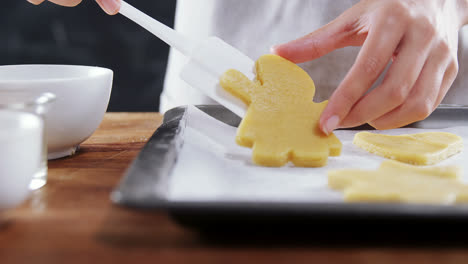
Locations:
(398, 82)
(68, 3)
(447, 82)
(111, 7)
(339, 33)
(36, 2)
(432, 85)
(375, 54)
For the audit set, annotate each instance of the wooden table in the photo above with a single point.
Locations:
(72, 220)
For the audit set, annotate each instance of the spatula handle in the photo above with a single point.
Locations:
(165, 33)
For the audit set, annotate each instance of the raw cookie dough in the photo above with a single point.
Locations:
(418, 149)
(281, 123)
(397, 182)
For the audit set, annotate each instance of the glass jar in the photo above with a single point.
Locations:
(37, 104)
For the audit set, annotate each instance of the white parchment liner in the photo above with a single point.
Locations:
(211, 166)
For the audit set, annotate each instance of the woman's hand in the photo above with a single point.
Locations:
(111, 7)
(420, 37)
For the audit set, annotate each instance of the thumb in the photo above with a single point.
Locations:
(339, 33)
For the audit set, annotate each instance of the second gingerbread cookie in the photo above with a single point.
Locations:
(282, 121)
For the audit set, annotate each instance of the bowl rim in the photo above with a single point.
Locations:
(102, 72)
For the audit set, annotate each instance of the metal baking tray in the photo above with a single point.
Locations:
(145, 185)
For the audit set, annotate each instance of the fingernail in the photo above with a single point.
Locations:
(35, 2)
(111, 6)
(273, 48)
(331, 124)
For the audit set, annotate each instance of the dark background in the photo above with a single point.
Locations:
(85, 35)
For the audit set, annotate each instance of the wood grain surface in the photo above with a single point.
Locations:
(72, 220)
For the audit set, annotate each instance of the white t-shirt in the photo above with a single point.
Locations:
(253, 26)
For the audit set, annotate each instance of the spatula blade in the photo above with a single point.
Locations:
(208, 62)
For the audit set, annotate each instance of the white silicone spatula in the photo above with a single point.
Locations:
(208, 59)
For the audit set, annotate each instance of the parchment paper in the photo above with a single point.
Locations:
(211, 166)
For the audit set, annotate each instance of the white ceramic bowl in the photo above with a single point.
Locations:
(82, 92)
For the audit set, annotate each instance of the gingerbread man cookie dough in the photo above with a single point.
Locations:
(282, 121)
